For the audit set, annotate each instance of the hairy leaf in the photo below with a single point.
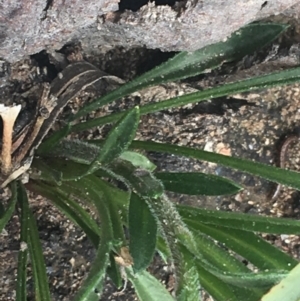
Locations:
(287, 177)
(246, 222)
(147, 287)
(197, 183)
(92, 287)
(142, 231)
(280, 78)
(186, 64)
(248, 245)
(118, 139)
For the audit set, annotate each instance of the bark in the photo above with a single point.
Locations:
(27, 27)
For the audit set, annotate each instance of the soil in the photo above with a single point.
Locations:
(250, 125)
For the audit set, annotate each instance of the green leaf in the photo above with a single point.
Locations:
(222, 291)
(5, 217)
(70, 171)
(241, 279)
(115, 144)
(138, 160)
(187, 64)
(75, 150)
(69, 207)
(196, 183)
(46, 172)
(147, 287)
(174, 231)
(171, 226)
(86, 152)
(248, 245)
(247, 222)
(21, 292)
(121, 197)
(217, 288)
(163, 248)
(219, 270)
(260, 280)
(92, 287)
(280, 78)
(217, 255)
(118, 139)
(41, 281)
(221, 259)
(141, 180)
(110, 200)
(189, 288)
(252, 281)
(53, 140)
(142, 233)
(62, 200)
(288, 289)
(286, 177)
(113, 271)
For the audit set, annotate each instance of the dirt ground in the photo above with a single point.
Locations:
(250, 125)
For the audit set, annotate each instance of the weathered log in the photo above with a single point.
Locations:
(27, 27)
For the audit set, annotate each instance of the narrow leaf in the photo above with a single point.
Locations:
(248, 245)
(92, 287)
(186, 64)
(141, 180)
(222, 291)
(46, 172)
(174, 232)
(53, 140)
(246, 222)
(69, 207)
(189, 288)
(138, 160)
(147, 287)
(86, 152)
(243, 280)
(142, 231)
(171, 225)
(280, 78)
(163, 248)
(196, 183)
(41, 281)
(118, 139)
(121, 199)
(60, 198)
(70, 171)
(286, 177)
(75, 150)
(217, 255)
(260, 280)
(217, 265)
(113, 271)
(110, 200)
